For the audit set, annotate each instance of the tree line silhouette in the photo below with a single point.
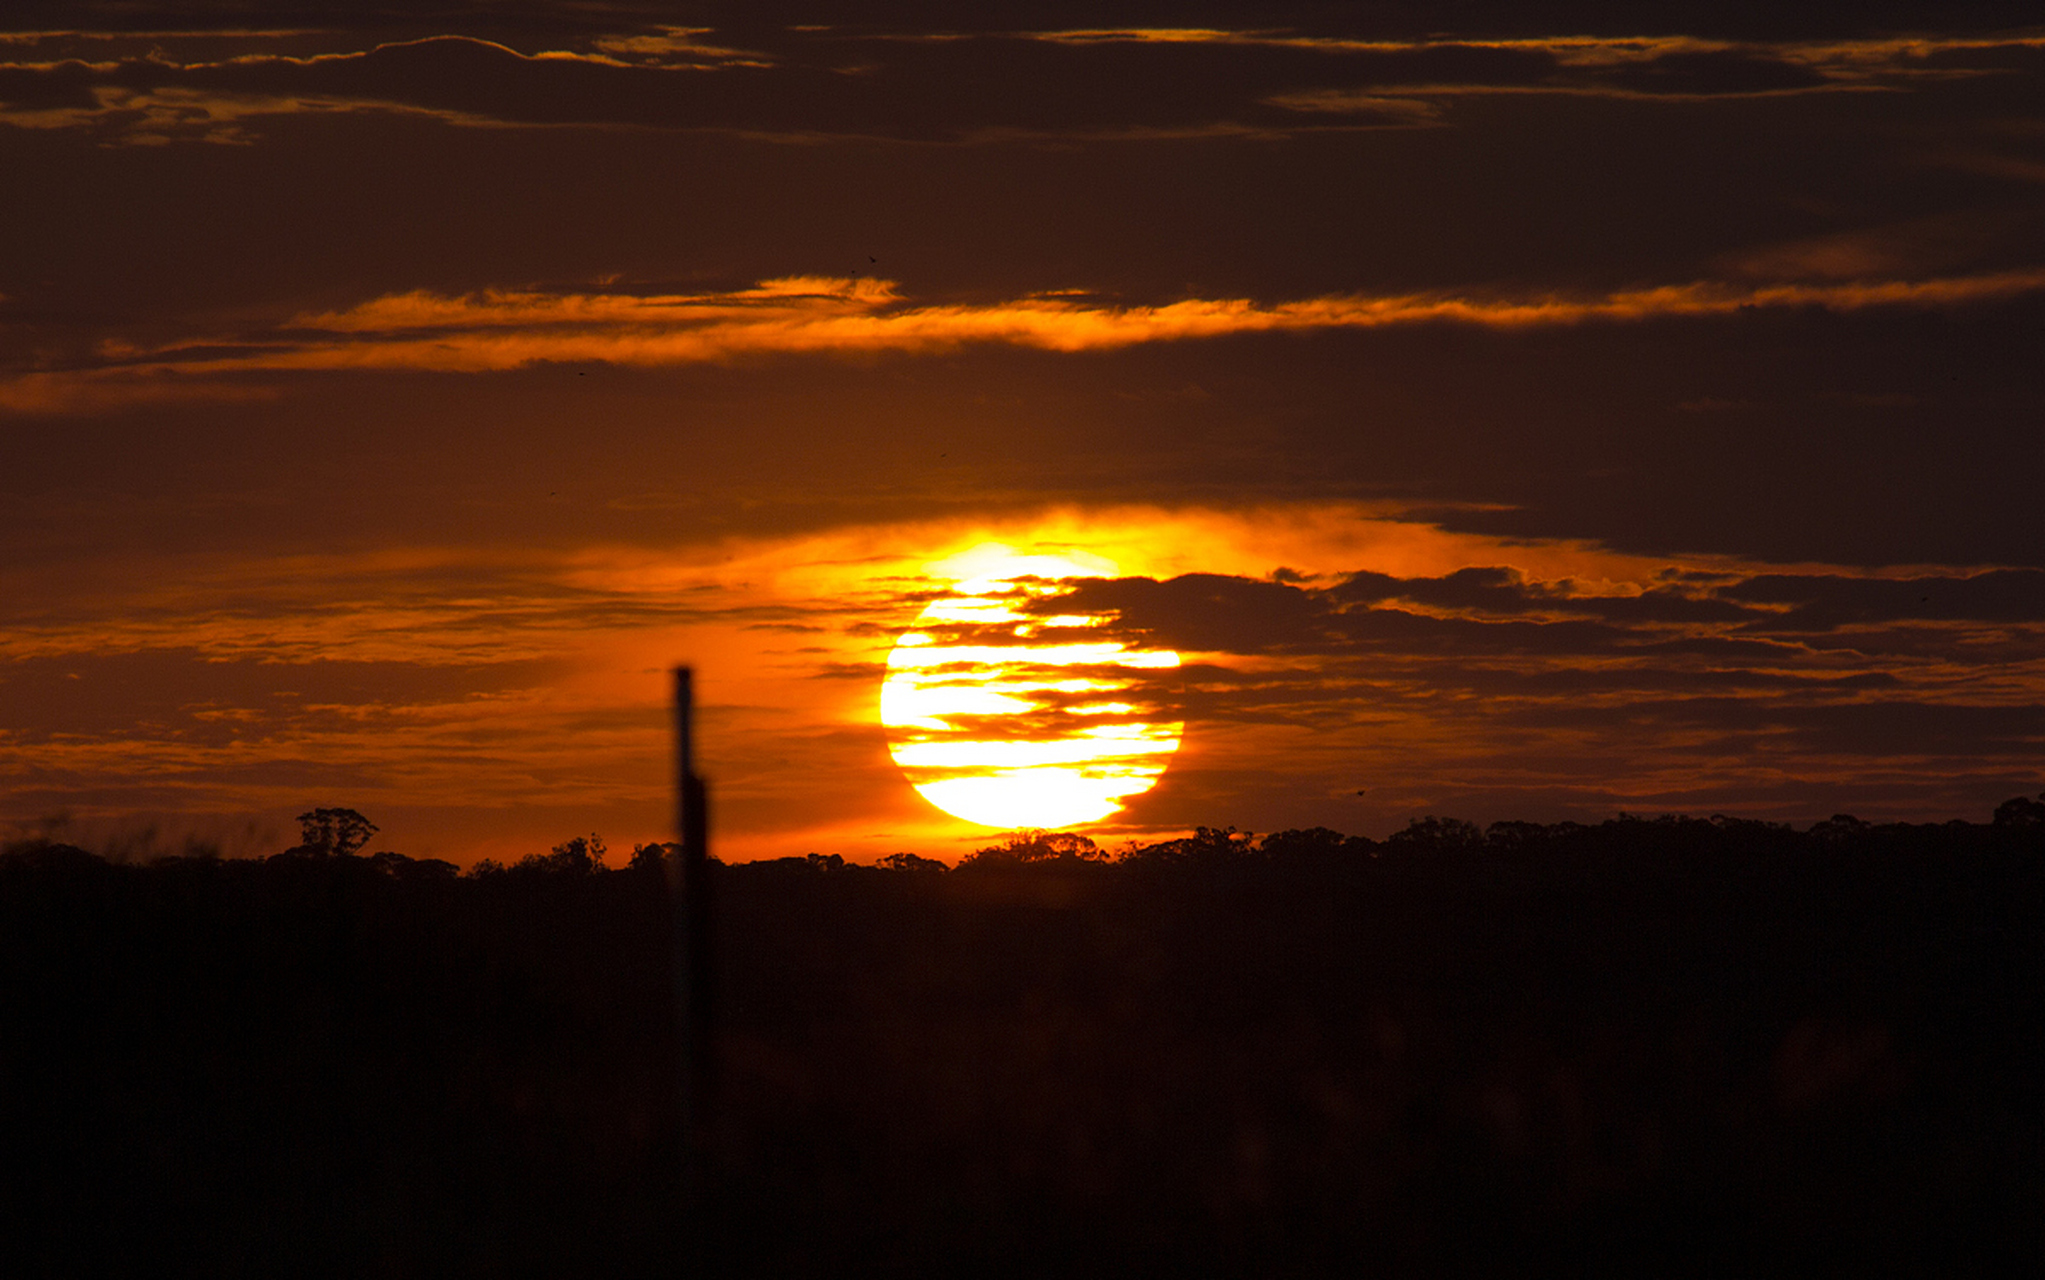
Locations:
(1653, 1045)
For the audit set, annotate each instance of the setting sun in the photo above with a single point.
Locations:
(1008, 717)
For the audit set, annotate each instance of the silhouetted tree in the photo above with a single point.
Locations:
(1751, 828)
(49, 857)
(2021, 811)
(1037, 846)
(1509, 836)
(1840, 828)
(1437, 835)
(1315, 847)
(584, 855)
(653, 857)
(334, 833)
(1206, 846)
(398, 866)
(909, 862)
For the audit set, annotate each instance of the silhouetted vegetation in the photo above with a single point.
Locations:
(327, 833)
(1648, 1046)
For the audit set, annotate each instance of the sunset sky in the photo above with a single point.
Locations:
(1502, 411)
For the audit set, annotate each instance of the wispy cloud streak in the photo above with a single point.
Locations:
(1118, 84)
(498, 330)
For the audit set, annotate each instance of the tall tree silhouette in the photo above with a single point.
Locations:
(333, 832)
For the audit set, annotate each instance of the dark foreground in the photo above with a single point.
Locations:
(1646, 1048)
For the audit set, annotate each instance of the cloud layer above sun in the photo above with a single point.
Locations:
(806, 83)
(497, 330)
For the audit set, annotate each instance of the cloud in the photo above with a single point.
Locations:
(1821, 602)
(798, 84)
(498, 330)
(1667, 67)
(154, 96)
(188, 695)
(1902, 732)
(1557, 653)
(1350, 102)
(91, 391)
(165, 115)
(1922, 246)
(810, 313)
(1492, 690)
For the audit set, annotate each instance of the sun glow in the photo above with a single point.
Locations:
(1010, 718)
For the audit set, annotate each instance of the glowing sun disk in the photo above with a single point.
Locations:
(1028, 754)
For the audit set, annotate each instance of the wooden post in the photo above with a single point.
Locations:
(689, 885)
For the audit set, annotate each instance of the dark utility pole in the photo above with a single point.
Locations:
(689, 884)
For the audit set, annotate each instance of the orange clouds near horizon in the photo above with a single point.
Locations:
(490, 704)
(501, 330)
(170, 87)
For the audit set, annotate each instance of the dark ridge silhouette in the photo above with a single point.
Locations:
(1645, 1047)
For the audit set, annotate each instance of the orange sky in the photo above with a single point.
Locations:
(526, 689)
(1532, 420)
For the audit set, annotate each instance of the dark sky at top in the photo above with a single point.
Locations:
(385, 390)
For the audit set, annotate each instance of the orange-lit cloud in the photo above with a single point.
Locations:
(160, 87)
(1658, 67)
(824, 314)
(1573, 50)
(161, 116)
(87, 391)
(814, 315)
(155, 88)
